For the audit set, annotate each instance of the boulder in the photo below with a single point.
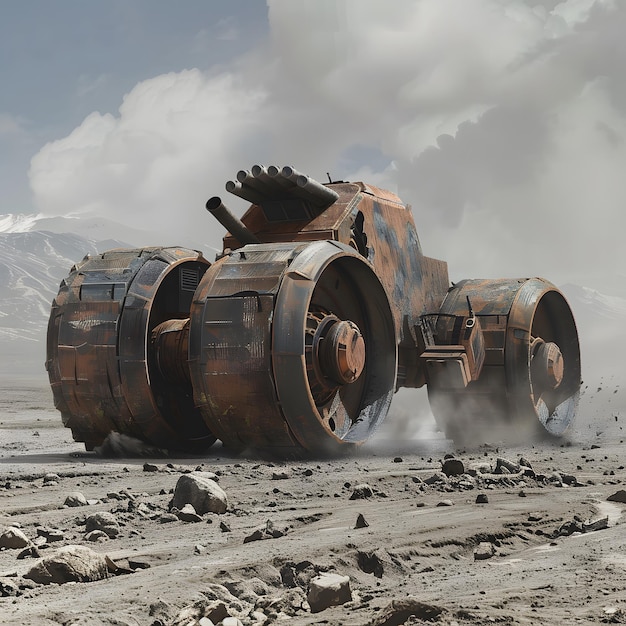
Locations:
(69, 564)
(203, 493)
(327, 590)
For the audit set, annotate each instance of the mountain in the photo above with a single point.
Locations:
(32, 263)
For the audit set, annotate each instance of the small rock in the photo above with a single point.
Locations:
(202, 492)
(161, 611)
(29, 552)
(482, 498)
(361, 522)
(224, 527)
(370, 563)
(453, 467)
(361, 492)
(445, 503)
(166, 518)
(400, 611)
(104, 521)
(280, 475)
(436, 479)
(522, 493)
(150, 467)
(569, 528)
(50, 534)
(51, 478)
(568, 479)
(231, 621)
(524, 462)
(188, 514)
(13, 538)
(328, 590)
(69, 564)
(76, 498)
(504, 466)
(618, 496)
(199, 549)
(201, 613)
(484, 550)
(397, 459)
(600, 524)
(96, 535)
(556, 479)
(265, 532)
(8, 588)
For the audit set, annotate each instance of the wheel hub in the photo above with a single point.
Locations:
(342, 352)
(335, 353)
(547, 364)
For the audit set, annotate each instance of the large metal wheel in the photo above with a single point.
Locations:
(293, 348)
(108, 322)
(531, 378)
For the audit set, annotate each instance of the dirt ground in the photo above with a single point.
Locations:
(425, 532)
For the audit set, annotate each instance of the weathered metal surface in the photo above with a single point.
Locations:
(230, 356)
(250, 368)
(377, 224)
(517, 317)
(234, 225)
(332, 277)
(98, 356)
(320, 305)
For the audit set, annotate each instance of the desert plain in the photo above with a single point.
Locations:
(531, 533)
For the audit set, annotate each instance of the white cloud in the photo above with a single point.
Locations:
(177, 138)
(501, 123)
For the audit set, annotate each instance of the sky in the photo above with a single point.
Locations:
(502, 123)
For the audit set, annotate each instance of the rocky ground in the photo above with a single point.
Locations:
(398, 534)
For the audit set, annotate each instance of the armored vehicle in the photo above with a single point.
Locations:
(320, 306)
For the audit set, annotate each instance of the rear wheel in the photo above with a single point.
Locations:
(107, 324)
(529, 384)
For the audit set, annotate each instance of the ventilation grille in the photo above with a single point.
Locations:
(189, 279)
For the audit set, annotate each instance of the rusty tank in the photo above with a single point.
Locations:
(296, 337)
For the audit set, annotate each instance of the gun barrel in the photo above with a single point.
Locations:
(262, 184)
(230, 222)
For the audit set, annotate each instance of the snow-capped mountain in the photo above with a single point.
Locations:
(36, 253)
(32, 263)
(18, 222)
